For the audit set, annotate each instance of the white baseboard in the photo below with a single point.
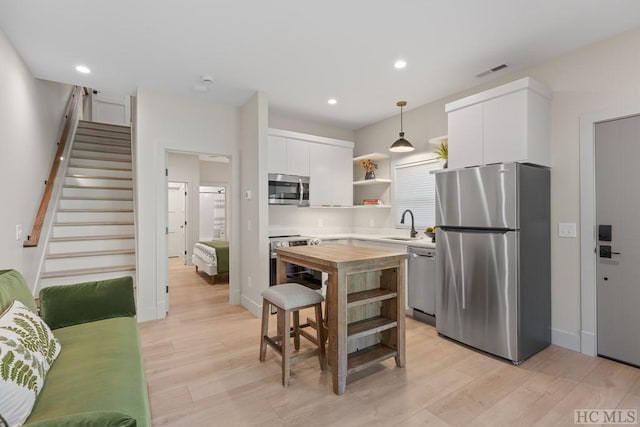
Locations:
(588, 343)
(145, 314)
(565, 339)
(251, 306)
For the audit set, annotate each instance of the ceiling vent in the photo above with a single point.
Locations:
(492, 70)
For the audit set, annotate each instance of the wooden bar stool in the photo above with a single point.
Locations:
(291, 298)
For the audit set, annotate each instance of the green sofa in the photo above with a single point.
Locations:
(98, 378)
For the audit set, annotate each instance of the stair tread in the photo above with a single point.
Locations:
(102, 159)
(106, 168)
(87, 271)
(77, 224)
(84, 139)
(119, 210)
(90, 125)
(98, 237)
(105, 133)
(97, 187)
(95, 150)
(115, 178)
(91, 253)
(112, 199)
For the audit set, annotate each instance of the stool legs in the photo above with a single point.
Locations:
(320, 334)
(296, 330)
(282, 341)
(286, 348)
(264, 330)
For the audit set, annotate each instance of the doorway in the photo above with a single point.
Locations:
(177, 220)
(617, 148)
(187, 175)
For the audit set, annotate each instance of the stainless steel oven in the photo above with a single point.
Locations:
(295, 273)
(288, 190)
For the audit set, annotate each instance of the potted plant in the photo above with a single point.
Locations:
(442, 150)
(369, 167)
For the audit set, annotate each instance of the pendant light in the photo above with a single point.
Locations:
(401, 145)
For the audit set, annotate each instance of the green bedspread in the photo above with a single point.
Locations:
(222, 254)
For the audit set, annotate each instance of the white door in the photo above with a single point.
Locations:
(177, 202)
(617, 150)
(111, 108)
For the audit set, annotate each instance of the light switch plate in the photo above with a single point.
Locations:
(567, 229)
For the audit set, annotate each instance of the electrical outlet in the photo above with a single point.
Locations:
(567, 229)
(249, 282)
(372, 223)
(19, 232)
(320, 222)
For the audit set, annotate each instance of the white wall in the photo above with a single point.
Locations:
(277, 121)
(185, 168)
(170, 123)
(213, 172)
(253, 211)
(603, 76)
(31, 113)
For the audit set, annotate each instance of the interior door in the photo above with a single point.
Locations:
(111, 108)
(177, 201)
(617, 150)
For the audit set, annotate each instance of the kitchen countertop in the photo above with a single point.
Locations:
(422, 242)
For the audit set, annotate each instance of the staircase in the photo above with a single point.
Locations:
(92, 236)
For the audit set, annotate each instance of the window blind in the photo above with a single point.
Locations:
(415, 189)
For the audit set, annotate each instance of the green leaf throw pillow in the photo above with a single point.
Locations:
(27, 351)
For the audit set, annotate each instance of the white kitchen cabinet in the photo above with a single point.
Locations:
(330, 175)
(289, 156)
(510, 123)
(277, 154)
(297, 157)
(465, 137)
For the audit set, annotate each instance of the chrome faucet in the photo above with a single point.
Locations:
(414, 233)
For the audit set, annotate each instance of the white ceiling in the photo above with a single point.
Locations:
(301, 53)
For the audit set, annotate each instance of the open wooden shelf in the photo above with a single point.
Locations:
(368, 356)
(369, 326)
(371, 156)
(372, 295)
(373, 181)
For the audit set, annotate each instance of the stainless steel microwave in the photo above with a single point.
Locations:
(288, 190)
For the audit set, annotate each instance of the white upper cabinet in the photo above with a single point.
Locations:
(288, 156)
(298, 157)
(330, 175)
(326, 161)
(510, 123)
(277, 154)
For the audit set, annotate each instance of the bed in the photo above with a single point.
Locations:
(212, 257)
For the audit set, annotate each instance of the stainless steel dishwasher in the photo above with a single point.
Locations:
(421, 294)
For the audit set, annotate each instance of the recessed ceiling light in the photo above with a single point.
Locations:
(83, 69)
(400, 64)
(332, 101)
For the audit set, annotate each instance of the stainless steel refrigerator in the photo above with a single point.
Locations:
(493, 263)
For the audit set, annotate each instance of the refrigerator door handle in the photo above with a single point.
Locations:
(477, 230)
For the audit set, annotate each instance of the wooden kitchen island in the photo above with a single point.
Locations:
(365, 302)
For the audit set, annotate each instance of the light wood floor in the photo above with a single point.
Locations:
(203, 370)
